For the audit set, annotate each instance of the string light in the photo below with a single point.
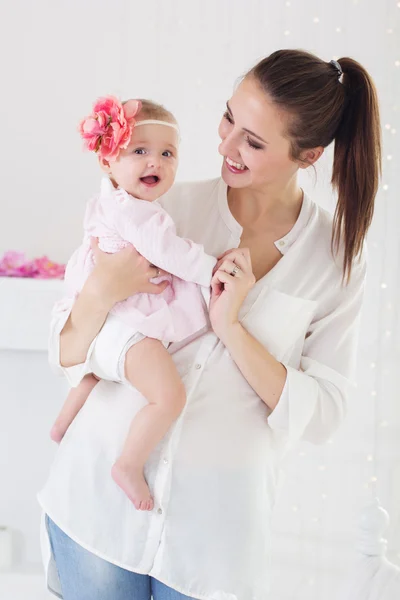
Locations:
(371, 453)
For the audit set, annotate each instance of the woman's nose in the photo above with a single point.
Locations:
(228, 147)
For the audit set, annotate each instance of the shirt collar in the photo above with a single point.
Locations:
(289, 239)
(106, 187)
(284, 243)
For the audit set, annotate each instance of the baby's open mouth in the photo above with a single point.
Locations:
(150, 180)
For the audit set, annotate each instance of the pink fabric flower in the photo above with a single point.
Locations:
(14, 264)
(109, 128)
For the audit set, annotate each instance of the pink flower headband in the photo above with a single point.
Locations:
(108, 129)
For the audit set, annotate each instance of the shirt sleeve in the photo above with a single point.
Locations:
(152, 232)
(60, 313)
(76, 373)
(313, 402)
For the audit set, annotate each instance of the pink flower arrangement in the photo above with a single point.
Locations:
(109, 128)
(14, 264)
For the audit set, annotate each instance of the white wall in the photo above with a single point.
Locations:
(57, 57)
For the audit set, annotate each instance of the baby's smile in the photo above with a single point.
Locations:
(150, 180)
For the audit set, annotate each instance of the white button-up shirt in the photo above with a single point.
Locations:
(215, 474)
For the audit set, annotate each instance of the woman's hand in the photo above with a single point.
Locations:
(117, 276)
(229, 291)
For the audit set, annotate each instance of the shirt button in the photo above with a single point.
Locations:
(165, 461)
(159, 511)
(281, 243)
(197, 366)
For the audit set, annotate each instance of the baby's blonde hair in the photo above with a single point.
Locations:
(152, 110)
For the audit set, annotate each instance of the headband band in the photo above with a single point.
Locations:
(157, 122)
(108, 129)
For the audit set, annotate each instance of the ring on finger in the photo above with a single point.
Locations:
(235, 270)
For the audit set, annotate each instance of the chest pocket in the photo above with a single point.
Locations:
(279, 322)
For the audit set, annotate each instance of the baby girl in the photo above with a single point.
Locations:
(137, 147)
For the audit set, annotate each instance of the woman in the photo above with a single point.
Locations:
(275, 366)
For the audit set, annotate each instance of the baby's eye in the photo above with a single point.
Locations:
(167, 153)
(139, 151)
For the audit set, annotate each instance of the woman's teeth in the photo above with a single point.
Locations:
(235, 164)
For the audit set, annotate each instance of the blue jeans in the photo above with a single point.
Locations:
(85, 576)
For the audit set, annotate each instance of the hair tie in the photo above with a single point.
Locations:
(338, 68)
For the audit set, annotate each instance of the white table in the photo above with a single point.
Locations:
(30, 396)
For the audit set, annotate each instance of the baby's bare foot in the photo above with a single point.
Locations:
(131, 480)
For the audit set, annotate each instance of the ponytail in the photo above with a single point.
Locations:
(357, 162)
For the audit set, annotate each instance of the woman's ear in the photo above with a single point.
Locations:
(309, 157)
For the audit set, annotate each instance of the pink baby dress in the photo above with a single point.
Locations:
(119, 219)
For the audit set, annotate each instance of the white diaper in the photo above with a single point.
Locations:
(112, 343)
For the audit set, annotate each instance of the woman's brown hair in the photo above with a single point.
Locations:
(325, 106)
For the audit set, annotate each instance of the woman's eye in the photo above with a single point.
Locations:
(228, 117)
(139, 151)
(253, 144)
(167, 153)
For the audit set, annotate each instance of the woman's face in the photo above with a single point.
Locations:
(255, 150)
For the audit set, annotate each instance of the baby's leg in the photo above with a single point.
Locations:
(73, 404)
(151, 370)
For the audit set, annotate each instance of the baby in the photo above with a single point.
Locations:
(137, 146)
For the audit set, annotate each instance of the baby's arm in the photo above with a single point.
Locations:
(152, 232)
(73, 404)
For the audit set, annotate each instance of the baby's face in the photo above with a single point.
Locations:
(147, 168)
